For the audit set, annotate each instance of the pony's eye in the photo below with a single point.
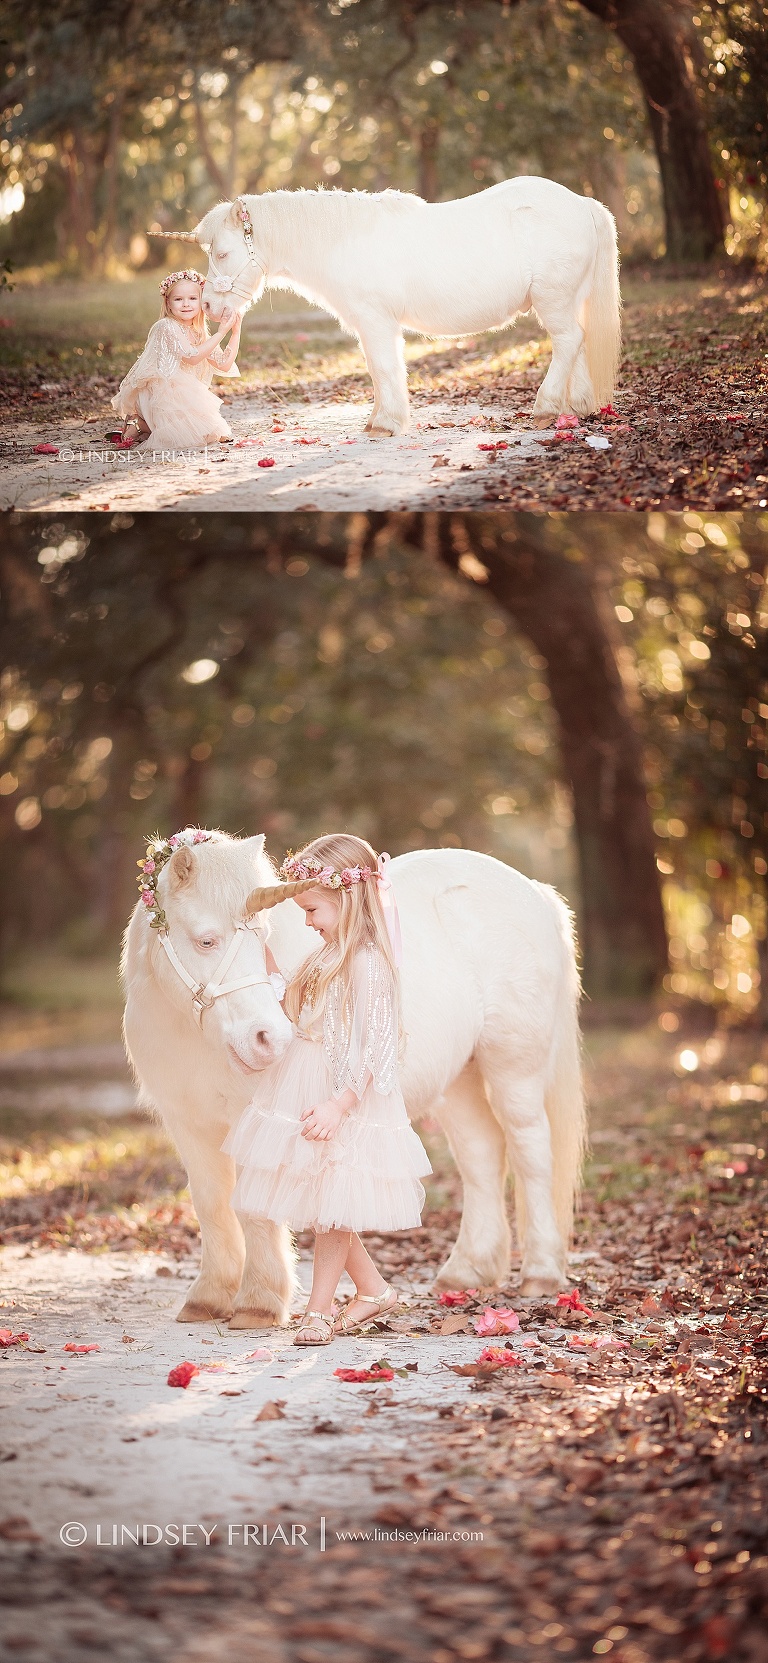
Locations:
(207, 941)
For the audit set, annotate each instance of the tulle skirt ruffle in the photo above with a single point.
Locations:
(180, 412)
(366, 1177)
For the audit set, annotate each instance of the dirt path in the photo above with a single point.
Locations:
(318, 460)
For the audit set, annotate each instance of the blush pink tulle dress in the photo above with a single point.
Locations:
(173, 397)
(367, 1175)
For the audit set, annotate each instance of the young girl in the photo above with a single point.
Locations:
(166, 392)
(326, 1143)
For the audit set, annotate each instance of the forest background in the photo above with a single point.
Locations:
(139, 117)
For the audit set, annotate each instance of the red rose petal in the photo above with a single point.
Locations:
(182, 1374)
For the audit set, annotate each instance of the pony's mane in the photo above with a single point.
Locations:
(329, 200)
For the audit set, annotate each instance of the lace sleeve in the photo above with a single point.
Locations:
(167, 344)
(215, 358)
(362, 1043)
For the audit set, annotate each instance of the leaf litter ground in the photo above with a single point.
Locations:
(619, 1487)
(690, 428)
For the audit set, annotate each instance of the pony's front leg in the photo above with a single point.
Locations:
(269, 1279)
(382, 344)
(211, 1181)
(520, 1107)
(480, 1257)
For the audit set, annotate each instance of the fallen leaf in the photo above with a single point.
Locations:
(273, 1410)
(359, 1376)
(455, 1324)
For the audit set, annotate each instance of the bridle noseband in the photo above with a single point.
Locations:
(205, 993)
(228, 285)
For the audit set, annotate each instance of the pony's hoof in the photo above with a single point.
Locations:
(540, 1287)
(460, 1274)
(381, 432)
(544, 421)
(202, 1313)
(245, 1318)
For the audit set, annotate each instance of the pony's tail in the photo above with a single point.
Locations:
(602, 310)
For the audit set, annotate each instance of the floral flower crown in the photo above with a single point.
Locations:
(180, 277)
(159, 851)
(295, 868)
(244, 217)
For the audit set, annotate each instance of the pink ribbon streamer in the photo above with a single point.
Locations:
(391, 914)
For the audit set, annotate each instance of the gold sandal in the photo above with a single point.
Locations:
(311, 1319)
(386, 1302)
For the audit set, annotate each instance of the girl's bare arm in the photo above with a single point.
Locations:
(230, 320)
(230, 353)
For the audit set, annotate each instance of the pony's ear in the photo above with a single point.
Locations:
(255, 845)
(182, 866)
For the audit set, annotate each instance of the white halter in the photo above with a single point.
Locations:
(228, 285)
(204, 993)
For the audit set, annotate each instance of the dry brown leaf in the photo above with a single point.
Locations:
(273, 1410)
(455, 1324)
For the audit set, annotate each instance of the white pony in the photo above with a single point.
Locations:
(388, 262)
(490, 1006)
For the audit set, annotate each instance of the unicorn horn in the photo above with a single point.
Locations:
(175, 236)
(260, 899)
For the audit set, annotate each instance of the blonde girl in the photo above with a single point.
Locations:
(326, 1143)
(166, 394)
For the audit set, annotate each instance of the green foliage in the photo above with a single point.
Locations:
(237, 680)
(149, 116)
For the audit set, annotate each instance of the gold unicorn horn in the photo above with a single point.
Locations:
(260, 899)
(175, 236)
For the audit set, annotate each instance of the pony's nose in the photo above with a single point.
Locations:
(206, 306)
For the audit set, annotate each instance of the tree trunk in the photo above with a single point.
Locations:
(80, 182)
(659, 37)
(112, 178)
(429, 138)
(215, 173)
(555, 603)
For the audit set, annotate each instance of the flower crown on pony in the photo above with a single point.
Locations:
(244, 217)
(159, 850)
(180, 277)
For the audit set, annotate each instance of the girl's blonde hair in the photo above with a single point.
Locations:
(361, 920)
(199, 324)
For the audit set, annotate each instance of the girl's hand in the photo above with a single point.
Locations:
(322, 1120)
(229, 319)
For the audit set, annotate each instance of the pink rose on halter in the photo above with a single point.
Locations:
(149, 866)
(147, 897)
(173, 842)
(200, 837)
